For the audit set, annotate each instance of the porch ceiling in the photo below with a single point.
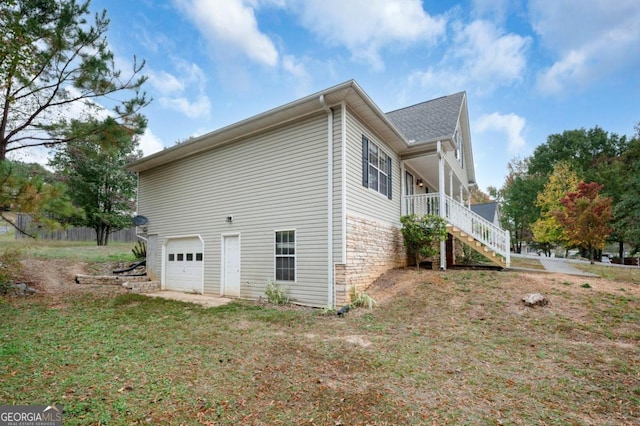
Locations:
(425, 167)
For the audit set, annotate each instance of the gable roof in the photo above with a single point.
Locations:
(429, 121)
(486, 210)
(351, 94)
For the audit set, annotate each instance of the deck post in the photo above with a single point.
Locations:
(442, 207)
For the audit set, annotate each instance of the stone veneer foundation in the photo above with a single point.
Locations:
(372, 249)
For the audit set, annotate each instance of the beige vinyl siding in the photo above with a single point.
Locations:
(363, 201)
(457, 170)
(274, 181)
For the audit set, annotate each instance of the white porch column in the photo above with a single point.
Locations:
(403, 190)
(443, 213)
(461, 195)
(451, 183)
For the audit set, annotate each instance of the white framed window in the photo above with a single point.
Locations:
(376, 168)
(457, 139)
(285, 255)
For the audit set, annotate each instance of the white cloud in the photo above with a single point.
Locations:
(184, 92)
(366, 26)
(165, 83)
(511, 125)
(598, 40)
(231, 26)
(494, 9)
(149, 143)
(298, 71)
(481, 56)
(199, 108)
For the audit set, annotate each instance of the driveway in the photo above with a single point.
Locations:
(199, 299)
(562, 266)
(557, 265)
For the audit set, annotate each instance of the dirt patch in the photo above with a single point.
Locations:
(565, 292)
(55, 277)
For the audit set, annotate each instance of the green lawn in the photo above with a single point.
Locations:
(449, 348)
(71, 250)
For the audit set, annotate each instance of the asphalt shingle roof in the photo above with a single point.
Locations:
(428, 121)
(486, 210)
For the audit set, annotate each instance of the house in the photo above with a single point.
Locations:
(489, 211)
(308, 195)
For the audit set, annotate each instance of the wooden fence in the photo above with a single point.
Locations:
(24, 221)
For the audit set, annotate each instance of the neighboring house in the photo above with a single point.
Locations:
(308, 195)
(489, 211)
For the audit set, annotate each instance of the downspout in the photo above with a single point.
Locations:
(343, 178)
(443, 213)
(330, 295)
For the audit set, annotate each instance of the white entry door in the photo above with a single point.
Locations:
(231, 266)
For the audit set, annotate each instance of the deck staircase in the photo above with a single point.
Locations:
(468, 227)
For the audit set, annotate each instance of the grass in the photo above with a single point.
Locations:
(612, 272)
(70, 250)
(451, 348)
(526, 262)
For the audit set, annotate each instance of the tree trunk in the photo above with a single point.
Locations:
(100, 235)
(591, 255)
(621, 251)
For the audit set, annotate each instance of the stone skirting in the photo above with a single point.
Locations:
(135, 284)
(373, 248)
(142, 286)
(108, 279)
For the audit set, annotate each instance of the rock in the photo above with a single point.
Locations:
(535, 299)
(21, 289)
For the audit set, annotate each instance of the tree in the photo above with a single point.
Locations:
(51, 60)
(93, 168)
(581, 149)
(593, 154)
(21, 191)
(479, 197)
(422, 235)
(518, 198)
(627, 208)
(547, 231)
(586, 217)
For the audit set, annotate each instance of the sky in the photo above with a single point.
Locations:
(531, 68)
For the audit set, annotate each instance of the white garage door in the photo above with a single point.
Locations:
(184, 264)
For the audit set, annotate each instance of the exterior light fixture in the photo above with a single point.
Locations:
(420, 183)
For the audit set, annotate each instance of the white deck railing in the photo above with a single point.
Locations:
(463, 218)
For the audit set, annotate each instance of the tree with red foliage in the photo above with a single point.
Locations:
(586, 217)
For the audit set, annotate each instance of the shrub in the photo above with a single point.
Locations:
(470, 256)
(361, 300)
(10, 268)
(422, 235)
(276, 294)
(140, 250)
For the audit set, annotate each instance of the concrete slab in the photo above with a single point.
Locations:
(562, 266)
(199, 299)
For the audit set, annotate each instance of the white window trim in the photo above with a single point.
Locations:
(387, 175)
(295, 255)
